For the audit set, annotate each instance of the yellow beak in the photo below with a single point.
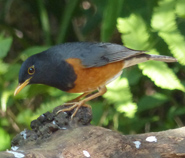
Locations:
(21, 86)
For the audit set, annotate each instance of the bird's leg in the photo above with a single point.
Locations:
(77, 105)
(77, 99)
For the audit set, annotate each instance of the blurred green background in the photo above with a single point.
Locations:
(147, 97)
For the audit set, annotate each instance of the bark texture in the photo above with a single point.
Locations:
(57, 136)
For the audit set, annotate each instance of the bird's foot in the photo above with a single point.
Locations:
(76, 105)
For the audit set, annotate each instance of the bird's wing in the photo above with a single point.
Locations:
(97, 54)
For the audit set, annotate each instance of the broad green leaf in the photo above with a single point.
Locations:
(161, 75)
(149, 102)
(164, 22)
(129, 109)
(134, 75)
(176, 44)
(49, 106)
(32, 50)
(176, 111)
(180, 5)
(97, 110)
(4, 139)
(119, 94)
(3, 67)
(131, 29)
(134, 32)
(164, 16)
(12, 72)
(25, 117)
(110, 15)
(5, 45)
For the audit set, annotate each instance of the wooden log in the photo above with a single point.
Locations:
(57, 136)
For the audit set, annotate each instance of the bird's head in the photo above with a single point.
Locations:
(28, 73)
(46, 68)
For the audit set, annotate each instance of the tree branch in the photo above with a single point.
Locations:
(57, 136)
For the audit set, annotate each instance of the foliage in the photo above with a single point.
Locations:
(147, 97)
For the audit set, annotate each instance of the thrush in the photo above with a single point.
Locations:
(81, 67)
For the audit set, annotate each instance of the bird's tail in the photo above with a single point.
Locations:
(162, 58)
(145, 57)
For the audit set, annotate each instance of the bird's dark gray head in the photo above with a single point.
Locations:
(44, 68)
(27, 70)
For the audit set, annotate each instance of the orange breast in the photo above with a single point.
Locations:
(89, 79)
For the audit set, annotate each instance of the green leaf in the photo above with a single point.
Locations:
(149, 102)
(129, 109)
(119, 94)
(5, 45)
(25, 117)
(4, 139)
(12, 72)
(164, 22)
(97, 110)
(134, 75)
(161, 75)
(135, 35)
(48, 106)
(180, 5)
(164, 16)
(110, 15)
(134, 32)
(3, 67)
(176, 44)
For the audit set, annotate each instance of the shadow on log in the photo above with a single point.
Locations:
(57, 136)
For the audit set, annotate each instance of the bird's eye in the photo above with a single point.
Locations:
(31, 70)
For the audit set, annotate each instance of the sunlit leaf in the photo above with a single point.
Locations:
(164, 21)
(156, 71)
(5, 45)
(129, 109)
(134, 32)
(161, 75)
(180, 5)
(164, 17)
(119, 94)
(176, 44)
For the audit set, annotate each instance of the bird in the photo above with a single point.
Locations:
(81, 67)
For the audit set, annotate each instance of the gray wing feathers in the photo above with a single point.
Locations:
(99, 54)
(103, 53)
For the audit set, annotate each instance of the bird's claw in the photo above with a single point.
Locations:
(76, 105)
